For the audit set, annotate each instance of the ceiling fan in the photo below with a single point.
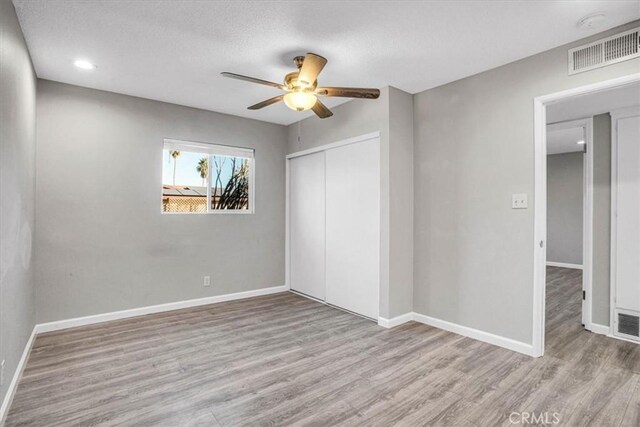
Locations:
(302, 87)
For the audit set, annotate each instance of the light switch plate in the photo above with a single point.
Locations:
(519, 201)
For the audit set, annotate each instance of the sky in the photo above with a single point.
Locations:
(186, 173)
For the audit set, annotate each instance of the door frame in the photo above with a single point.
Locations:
(587, 210)
(312, 150)
(540, 104)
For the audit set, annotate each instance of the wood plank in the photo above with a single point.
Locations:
(286, 360)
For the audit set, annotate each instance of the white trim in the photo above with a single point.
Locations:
(287, 233)
(395, 321)
(564, 265)
(624, 113)
(568, 124)
(141, 311)
(466, 331)
(587, 224)
(540, 225)
(600, 329)
(540, 197)
(621, 338)
(11, 390)
(479, 335)
(455, 328)
(588, 89)
(208, 148)
(607, 331)
(337, 144)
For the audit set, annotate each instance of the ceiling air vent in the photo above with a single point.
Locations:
(629, 325)
(607, 51)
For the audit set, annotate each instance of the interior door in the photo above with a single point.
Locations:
(627, 214)
(307, 224)
(353, 227)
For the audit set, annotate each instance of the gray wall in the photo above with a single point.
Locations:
(400, 202)
(391, 115)
(17, 192)
(473, 149)
(564, 207)
(102, 244)
(601, 218)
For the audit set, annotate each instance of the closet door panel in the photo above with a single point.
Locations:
(627, 265)
(307, 224)
(353, 227)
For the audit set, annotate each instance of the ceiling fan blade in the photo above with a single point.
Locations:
(349, 92)
(266, 103)
(311, 67)
(253, 80)
(321, 110)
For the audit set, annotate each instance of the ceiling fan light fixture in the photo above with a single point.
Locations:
(300, 100)
(302, 90)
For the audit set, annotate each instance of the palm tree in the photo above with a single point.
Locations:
(175, 154)
(203, 170)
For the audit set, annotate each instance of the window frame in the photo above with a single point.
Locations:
(214, 150)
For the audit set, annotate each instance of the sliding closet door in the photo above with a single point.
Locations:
(627, 217)
(307, 225)
(353, 227)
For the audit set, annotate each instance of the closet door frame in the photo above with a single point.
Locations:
(325, 147)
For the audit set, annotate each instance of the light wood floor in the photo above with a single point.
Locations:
(286, 360)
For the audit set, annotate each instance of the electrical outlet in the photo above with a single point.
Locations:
(2, 373)
(207, 281)
(519, 201)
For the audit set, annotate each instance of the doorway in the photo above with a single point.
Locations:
(583, 102)
(569, 225)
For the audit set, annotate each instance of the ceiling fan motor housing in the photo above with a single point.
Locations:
(298, 60)
(291, 81)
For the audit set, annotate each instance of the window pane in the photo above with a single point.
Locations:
(229, 183)
(184, 181)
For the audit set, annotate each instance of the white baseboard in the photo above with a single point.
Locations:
(605, 330)
(466, 331)
(395, 321)
(564, 265)
(600, 329)
(141, 311)
(11, 391)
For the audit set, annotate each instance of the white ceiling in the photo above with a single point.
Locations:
(174, 51)
(593, 104)
(564, 140)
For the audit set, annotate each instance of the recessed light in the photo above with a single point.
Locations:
(580, 142)
(591, 22)
(85, 65)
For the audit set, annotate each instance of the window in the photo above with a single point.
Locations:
(206, 178)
